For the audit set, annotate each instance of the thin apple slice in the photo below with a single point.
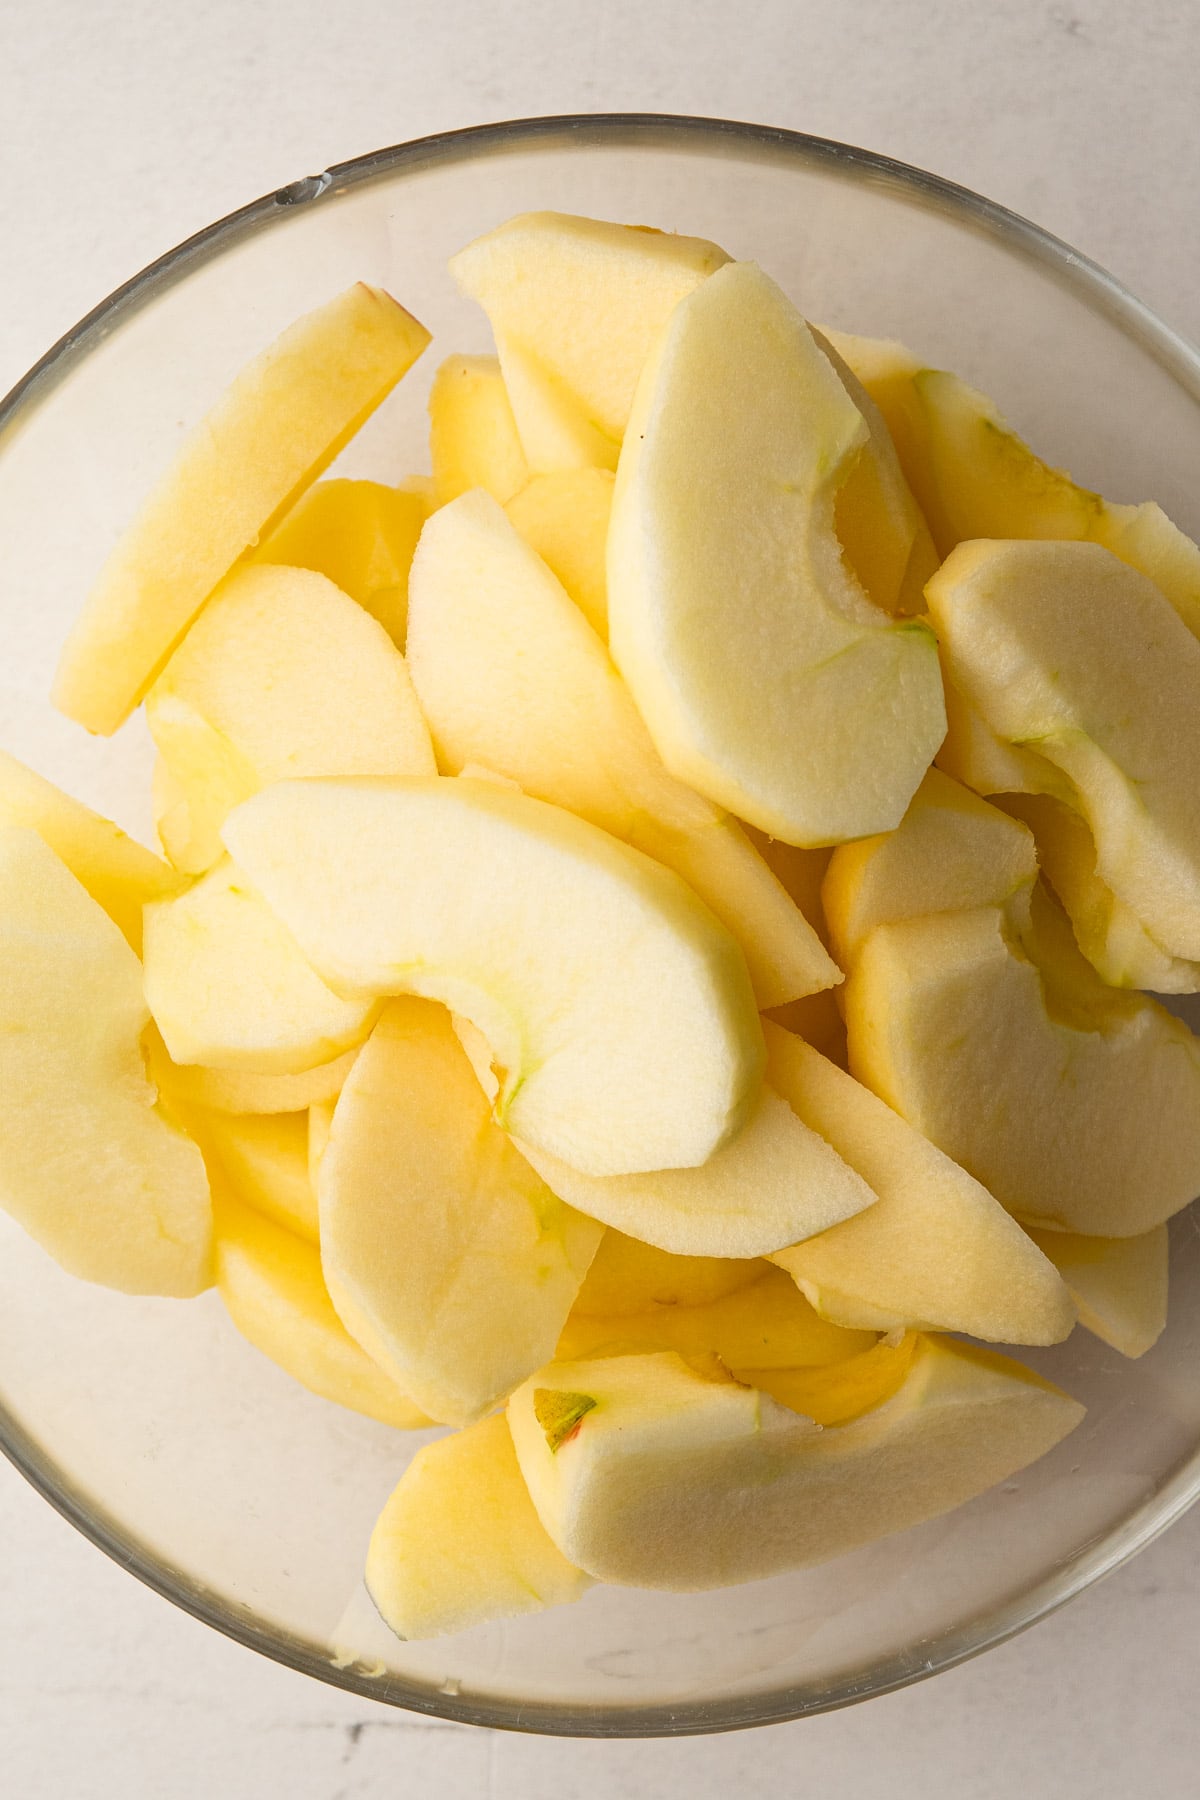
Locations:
(229, 988)
(1118, 1284)
(473, 440)
(767, 678)
(510, 675)
(835, 1394)
(90, 1168)
(935, 1250)
(459, 1543)
(1077, 1104)
(265, 1158)
(1064, 647)
(627, 1276)
(270, 435)
(283, 675)
(361, 535)
(564, 517)
(640, 1468)
(428, 1213)
(620, 1012)
(241, 1091)
(119, 873)
(270, 1281)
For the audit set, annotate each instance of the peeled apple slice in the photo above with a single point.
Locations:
(265, 1158)
(564, 517)
(243, 1090)
(271, 434)
(459, 1542)
(361, 534)
(620, 1012)
(447, 1258)
(1118, 1284)
(627, 1276)
(88, 1165)
(473, 440)
(640, 1468)
(766, 677)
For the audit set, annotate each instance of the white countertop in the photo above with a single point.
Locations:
(127, 125)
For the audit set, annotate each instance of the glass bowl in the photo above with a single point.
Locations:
(150, 1424)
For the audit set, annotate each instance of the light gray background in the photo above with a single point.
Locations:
(124, 127)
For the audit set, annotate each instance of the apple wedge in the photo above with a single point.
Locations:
(271, 434)
(229, 988)
(627, 1276)
(640, 1468)
(619, 1010)
(119, 873)
(1064, 647)
(836, 1393)
(90, 1168)
(1118, 1284)
(1078, 1105)
(584, 299)
(361, 535)
(564, 517)
(243, 1091)
(473, 441)
(282, 676)
(265, 1159)
(270, 1281)
(428, 1214)
(767, 678)
(459, 1543)
(935, 1250)
(509, 674)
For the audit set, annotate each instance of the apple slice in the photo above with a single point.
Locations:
(1077, 1104)
(229, 988)
(767, 1325)
(640, 1468)
(473, 438)
(773, 1184)
(270, 1281)
(836, 1393)
(459, 1543)
(90, 1168)
(1118, 1284)
(564, 517)
(1109, 933)
(935, 1250)
(585, 298)
(950, 851)
(510, 675)
(1067, 648)
(619, 1010)
(972, 753)
(119, 874)
(428, 1213)
(270, 435)
(284, 675)
(242, 1091)
(265, 1159)
(361, 535)
(627, 1276)
(556, 433)
(767, 678)
(320, 1124)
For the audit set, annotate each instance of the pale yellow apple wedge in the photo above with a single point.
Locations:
(283, 676)
(446, 1256)
(265, 1158)
(767, 678)
(473, 439)
(510, 675)
(88, 1165)
(556, 432)
(585, 298)
(836, 1393)
(271, 1283)
(459, 1542)
(564, 517)
(1077, 1104)
(229, 988)
(361, 534)
(950, 851)
(272, 433)
(119, 873)
(639, 1467)
(242, 1091)
(627, 1276)
(1065, 648)
(936, 1249)
(619, 1010)
(1118, 1284)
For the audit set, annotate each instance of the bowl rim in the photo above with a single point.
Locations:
(700, 136)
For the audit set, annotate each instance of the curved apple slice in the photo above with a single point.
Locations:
(88, 1165)
(767, 678)
(1118, 1284)
(618, 1008)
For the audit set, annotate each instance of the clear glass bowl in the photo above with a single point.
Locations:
(150, 1424)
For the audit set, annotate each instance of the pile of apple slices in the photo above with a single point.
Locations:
(503, 1032)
